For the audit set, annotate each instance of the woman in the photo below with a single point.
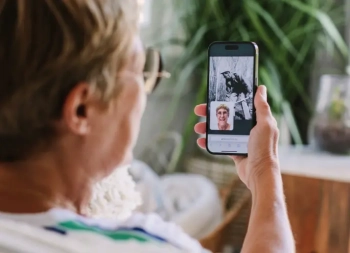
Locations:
(222, 114)
(71, 102)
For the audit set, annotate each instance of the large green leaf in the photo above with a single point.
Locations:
(292, 75)
(192, 47)
(325, 21)
(257, 24)
(274, 88)
(293, 128)
(254, 5)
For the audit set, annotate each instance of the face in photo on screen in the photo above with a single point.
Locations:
(222, 114)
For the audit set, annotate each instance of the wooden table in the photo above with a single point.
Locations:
(317, 189)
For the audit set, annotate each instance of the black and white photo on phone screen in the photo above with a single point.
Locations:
(231, 86)
(230, 90)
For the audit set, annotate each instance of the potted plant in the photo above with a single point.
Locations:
(331, 123)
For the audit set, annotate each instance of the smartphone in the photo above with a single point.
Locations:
(232, 84)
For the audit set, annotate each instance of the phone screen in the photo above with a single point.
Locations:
(230, 103)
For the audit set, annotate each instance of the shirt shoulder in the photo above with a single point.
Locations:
(139, 233)
(18, 236)
(144, 228)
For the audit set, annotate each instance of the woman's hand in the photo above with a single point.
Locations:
(262, 160)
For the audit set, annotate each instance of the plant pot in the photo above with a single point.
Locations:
(332, 136)
(330, 128)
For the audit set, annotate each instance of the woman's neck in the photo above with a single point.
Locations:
(223, 126)
(31, 187)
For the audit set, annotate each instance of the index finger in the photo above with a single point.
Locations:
(201, 110)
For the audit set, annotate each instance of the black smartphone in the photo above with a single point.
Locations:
(232, 85)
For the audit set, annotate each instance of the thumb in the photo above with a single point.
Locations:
(261, 94)
(261, 105)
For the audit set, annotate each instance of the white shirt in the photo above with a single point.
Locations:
(70, 232)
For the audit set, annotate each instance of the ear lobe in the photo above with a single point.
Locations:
(84, 128)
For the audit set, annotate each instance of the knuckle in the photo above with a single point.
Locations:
(265, 106)
(270, 124)
(275, 129)
(270, 127)
(266, 128)
(273, 124)
(274, 119)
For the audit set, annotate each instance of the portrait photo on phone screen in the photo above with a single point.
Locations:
(224, 114)
(231, 81)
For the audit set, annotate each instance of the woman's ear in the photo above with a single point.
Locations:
(75, 109)
(81, 111)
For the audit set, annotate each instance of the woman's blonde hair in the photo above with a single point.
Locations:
(223, 106)
(46, 48)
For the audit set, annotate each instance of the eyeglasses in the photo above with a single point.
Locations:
(153, 71)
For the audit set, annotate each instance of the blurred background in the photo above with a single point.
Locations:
(304, 62)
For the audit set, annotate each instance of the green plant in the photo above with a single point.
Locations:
(287, 32)
(337, 107)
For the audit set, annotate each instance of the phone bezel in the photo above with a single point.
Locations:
(255, 85)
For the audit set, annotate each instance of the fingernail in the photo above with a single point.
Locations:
(263, 92)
